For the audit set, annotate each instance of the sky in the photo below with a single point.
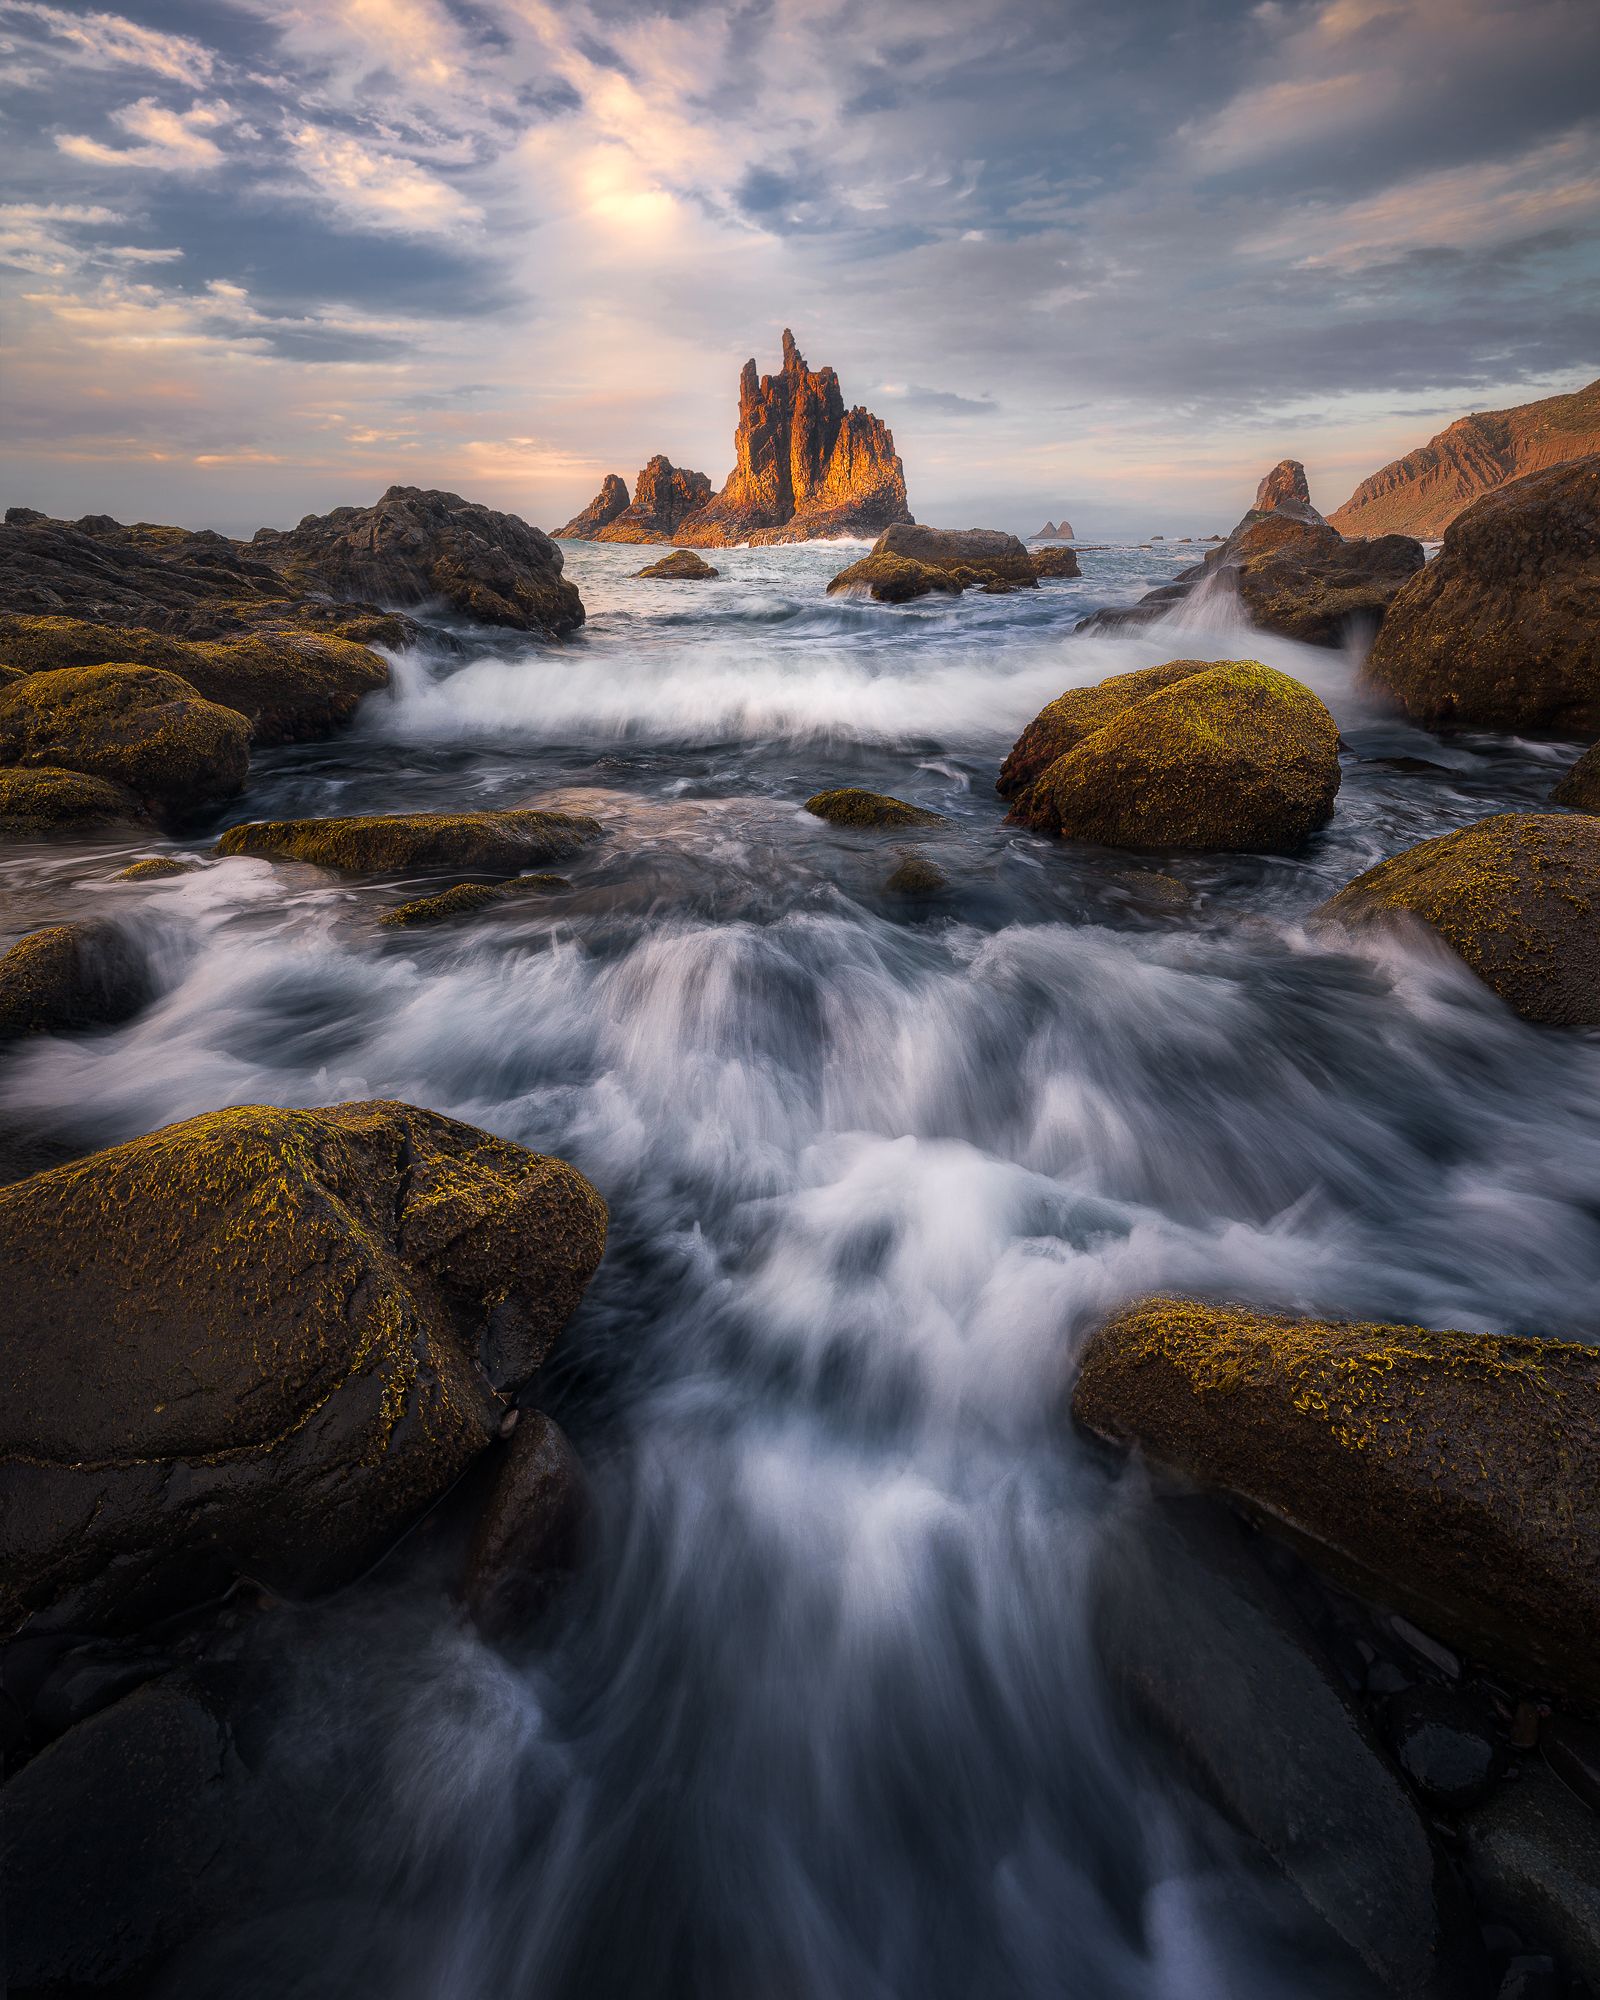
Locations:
(264, 257)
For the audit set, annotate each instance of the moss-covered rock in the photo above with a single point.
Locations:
(300, 1331)
(682, 566)
(1455, 1476)
(40, 801)
(853, 807)
(71, 976)
(157, 868)
(139, 727)
(493, 841)
(290, 684)
(1064, 723)
(893, 579)
(978, 556)
(1231, 757)
(916, 875)
(1580, 787)
(1054, 562)
(1516, 895)
(465, 897)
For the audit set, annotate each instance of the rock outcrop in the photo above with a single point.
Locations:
(602, 510)
(462, 898)
(49, 803)
(1455, 1476)
(1055, 531)
(910, 561)
(1052, 563)
(418, 547)
(1580, 787)
(1502, 629)
(1284, 491)
(664, 495)
(1517, 896)
(850, 806)
(682, 566)
(1227, 757)
(529, 1535)
(80, 975)
(502, 842)
(304, 1326)
(1422, 493)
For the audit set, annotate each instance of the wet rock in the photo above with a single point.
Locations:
(607, 504)
(853, 807)
(663, 496)
(973, 556)
(418, 547)
(39, 802)
(157, 868)
(1453, 1475)
(529, 1535)
(115, 1841)
(682, 566)
(1447, 1745)
(138, 727)
(1517, 896)
(916, 875)
(87, 1679)
(1531, 1976)
(1580, 788)
(1284, 491)
(1213, 1657)
(298, 1335)
(1234, 757)
(893, 579)
(1534, 1851)
(1057, 562)
(508, 840)
(80, 975)
(1077, 714)
(466, 897)
(326, 1950)
(1572, 1750)
(1502, 629)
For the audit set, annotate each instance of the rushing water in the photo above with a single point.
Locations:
(822, 1719)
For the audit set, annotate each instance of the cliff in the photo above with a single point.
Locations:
(602, 510)
(1422, 493)
(663, 496)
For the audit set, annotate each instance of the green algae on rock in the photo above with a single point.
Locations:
(916, 875)
(505, 840)
(40, 800)
(66, 976)
(301, 1330)
(682, 566)
(1050, 564)
(1517, 896)
(1232, 757)
(139, 727)
(893, 579)
(851, 806)
(1454, 1476)
(157, 868)
(1063, 724)
(464, 897)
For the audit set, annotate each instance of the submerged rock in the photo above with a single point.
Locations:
(663, 496)
(683, 565)
(506, 840)
(465, 897)
(529, 1534)
(80, 975)
(1446, 1743)
(138, 727)
(1233, 756)
(607, 504)
(916, 875)
(1455, 1476)
(157, 868)
(852, 807)
(1502, 629)
(299, 1333)
(40, 801)
(1517, 896)
(1535, 1853)
(1058, 562)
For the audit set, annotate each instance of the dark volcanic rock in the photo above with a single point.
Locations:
(294, 1340)
(529, 1535)
(602, 510)
(80, 975)
(682, 566)
(804, 464)
(419, 547)
(663, 496)
(853, 807)
(1517, 896)
(1502, 629)
(505, 842)
(1455, 1476)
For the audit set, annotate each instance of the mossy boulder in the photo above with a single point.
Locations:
(1454, 1476)
(41, 801)
(1502, 629)
(979, 556)
(156, 868)
(465, 897)
(1054, 563)
(1234, 757)
(893, 579)
(682, 566)
(1065, 722)
(1516, 895)
(290, 684)
(916, 875)
(139, 727)
(378, 843)
(81, 975)
(303, 1327)
(853, 807)
(1580, 787)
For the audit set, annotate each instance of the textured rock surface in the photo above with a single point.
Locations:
(464, 897)
(1422, 493)
(804, 464)
(1234, 756)
(1078, 713)
(1454, 1476)
(529, 1534)
(853, 807)
(1535, 1851)
(294, 1340)
(1517, 896)
(1055, 531)
(607, 504)
(973, 556)
(682, 566)
(1054, 563)
(1502, 629)
(80, 975)
(916, 875)
(493, 841)
(417, 547)
(1284, 491)
(893, 579)
(1580, 787)
(41, 802)
(663, 496)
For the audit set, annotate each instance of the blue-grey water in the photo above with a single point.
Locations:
(822, 1720)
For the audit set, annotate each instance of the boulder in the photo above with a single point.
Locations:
(466, 897)
(418, 547)
(81, 975)
(496, 842)
(1502, 629)
(1233, 757)
(156, 868)
(36, 803)
(1077, 714)
(973, 556)
(529, 1535)
(138, 727)
(682, 566)
(607, 504)
(1453, 1476)
(1534, 1851)
(1449, 1744)
(301, 1331)
(853, 807)
(893, 579)
(1516, 895)
(1054, 563)
(1580, 787)
(663, 496)
(916, 875)
(290, 684)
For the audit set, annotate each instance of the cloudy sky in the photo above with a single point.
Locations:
(265, 256)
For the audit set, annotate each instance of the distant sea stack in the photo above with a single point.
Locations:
(805, 467)
(1422, 493)
(1055, 531)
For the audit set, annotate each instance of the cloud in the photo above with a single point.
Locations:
(110, 41)
(176, 142)
(375, 189)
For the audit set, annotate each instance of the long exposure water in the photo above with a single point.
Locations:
(821, 1719)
